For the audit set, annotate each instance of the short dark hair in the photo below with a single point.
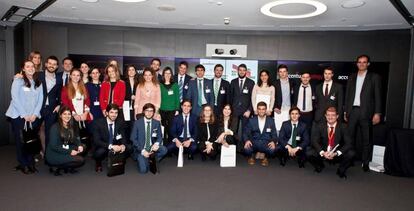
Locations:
(147, 106)
(183, 63)
(112, 106)
(218, 65)
(200, 66)
(305, 72)
(362, 56)
(294, 109)
(53, 58)
(66, 58)
(156, 59)
(329, 68)
(331, 109)
(186, 101)
(242, 65)
(261, 103)
(282, 66)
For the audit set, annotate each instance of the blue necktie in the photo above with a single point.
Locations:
(111, 133)
(185, 129)
(180, 84)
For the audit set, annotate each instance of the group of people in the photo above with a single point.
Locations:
(156, 113)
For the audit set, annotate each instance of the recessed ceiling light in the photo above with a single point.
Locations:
(352, 4)
(90, 1)
(319, 8)
(166, 8)
(130, 1)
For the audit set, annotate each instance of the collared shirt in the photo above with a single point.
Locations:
(188, 128)
(262, 122)
(109, 122)
(50, 79)
(359, 82)
(285, 93)
(203, 98)
(328, 148)
(64, 75)
(308, 98)
(329, 86)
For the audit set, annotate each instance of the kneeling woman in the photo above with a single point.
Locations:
(64, 148)
(207, 134)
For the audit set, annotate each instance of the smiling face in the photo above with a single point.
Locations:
(264, 77)
(155, 65)
(242, 72)
(226, 111)
(207, 111)
(294, 115)
(218, 72)
(261, 111)
(200, 72)
(84, 68)
(29, 69)
(148, 76)
(167, 75)
(305, 78)
(131, 72)
(182, 69)
(36, 59)
(67, 65)
(186, 107)
(362, 63)
(112, 115)
(331, 117)
(65, 117)
(51, 65)
(149, 113)
(75, 76)
(111, 73)
(95, 74)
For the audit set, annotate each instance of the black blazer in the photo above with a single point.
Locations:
(286, 133)
(187, 79)
(223, 97)
(278, 93)
(335, 99)
(370, 95)
(241, 102)
(202, 135)
(319, 138)
(54, 94)
(101, 133)
(295, 95)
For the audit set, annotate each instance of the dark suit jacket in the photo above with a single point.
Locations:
(101, 133)
(202, 135)
(278, 93)
(286, 132)
(296, 95)
(192, 94)
(335, 99)
(187, 78)
(223, 97)
(370, 94)
(138, 133)
(252, 130)
(241, 102)
(54, 94)
(177, 126)
(320, 137)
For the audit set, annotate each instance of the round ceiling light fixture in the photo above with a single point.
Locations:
(90, 1)
(352, 4)
(319, 8)
(130, 1)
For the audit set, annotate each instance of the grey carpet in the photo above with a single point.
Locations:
(202, 186)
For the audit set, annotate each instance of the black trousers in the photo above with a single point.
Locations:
(357, 123)
(307, 118)
(166, 120)
(101, 153)
(345, 160)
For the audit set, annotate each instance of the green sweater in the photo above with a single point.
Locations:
(170, 102)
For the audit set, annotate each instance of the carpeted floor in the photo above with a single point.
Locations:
(202, 186)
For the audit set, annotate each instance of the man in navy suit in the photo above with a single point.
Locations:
(146, 137)
(109, 134)
(200, 91)
(331, 142)
(67, 65)
(260, 135)
(182, 79)
(293, 139)
(52, 85)
(183, 131)
(221, 90)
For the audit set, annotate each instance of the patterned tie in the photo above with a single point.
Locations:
(326, 90)
(304, 98)
(331, 139)
(148, 137)
(216, 90)
(185, 128)
(180, 84)
(200, 93)
(111, 133)
(294, 134)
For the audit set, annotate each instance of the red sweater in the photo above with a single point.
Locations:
(68, 102)
(118, 94)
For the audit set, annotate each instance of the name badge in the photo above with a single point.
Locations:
(26, 89)
(245, 91)
(170, 92)
(154, 134)
(119, 136)
(208, 90)
(186, 87)
(297, 138)
(268, 130)
(65, 146)
(313, 97)
(96, 103)
(332, 97)
(222, 91)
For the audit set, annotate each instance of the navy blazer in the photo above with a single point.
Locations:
(241, 102)
(192, 94)
(187, 78)
(252, 131)
(138, 133)
(301, 131)
(223, 95)
(54, 94)
(177, 126)
(101, 133)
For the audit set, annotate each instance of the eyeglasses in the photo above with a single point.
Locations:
(149, 110)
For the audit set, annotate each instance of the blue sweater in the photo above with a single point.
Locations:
(25, 101)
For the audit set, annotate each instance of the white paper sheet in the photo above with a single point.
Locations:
(280, 118)
(228, 156)
(180, 160)
(126, 111)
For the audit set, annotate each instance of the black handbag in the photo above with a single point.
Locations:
(31, 140)
(153, 164)
(116, 163)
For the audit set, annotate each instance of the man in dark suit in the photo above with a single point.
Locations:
(52, 85)
(260, 136)
(241, 97)
(182, 79)
(284, 89)
(108, 134)
(184, 131)
(328, 94)
(221, 90)
(146, 137)
(155, 66)
(304, 98)
(67, 65)
(363, 106)
(200, 91)
(293, 139)
(330, 141)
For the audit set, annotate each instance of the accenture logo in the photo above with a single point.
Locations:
(342, 77)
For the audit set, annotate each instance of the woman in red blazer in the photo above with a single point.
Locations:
(113, 88)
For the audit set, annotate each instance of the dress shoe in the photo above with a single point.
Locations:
(365, 167)
(341, 174)
(190, 157)
(57, 172)
(251, 161)
(73, 171)
(33, 169)
(25, 170)
(301, 164)
(264, 162)
(203, 157)
(98, 167)
(282, 161)
(18, 168)
(318, 168)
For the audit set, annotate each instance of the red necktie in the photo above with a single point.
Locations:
(331, 138)
(326, 90)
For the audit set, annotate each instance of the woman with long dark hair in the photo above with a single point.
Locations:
(226, 127)
(24, 111)
(207, 133)
(263, 91)
(84, 68)
(94, 87)
(131, 82)
(64, 149)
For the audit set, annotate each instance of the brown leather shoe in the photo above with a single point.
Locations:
(264, 162)
(251, 161)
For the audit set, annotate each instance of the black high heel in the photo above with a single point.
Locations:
(57, 172)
